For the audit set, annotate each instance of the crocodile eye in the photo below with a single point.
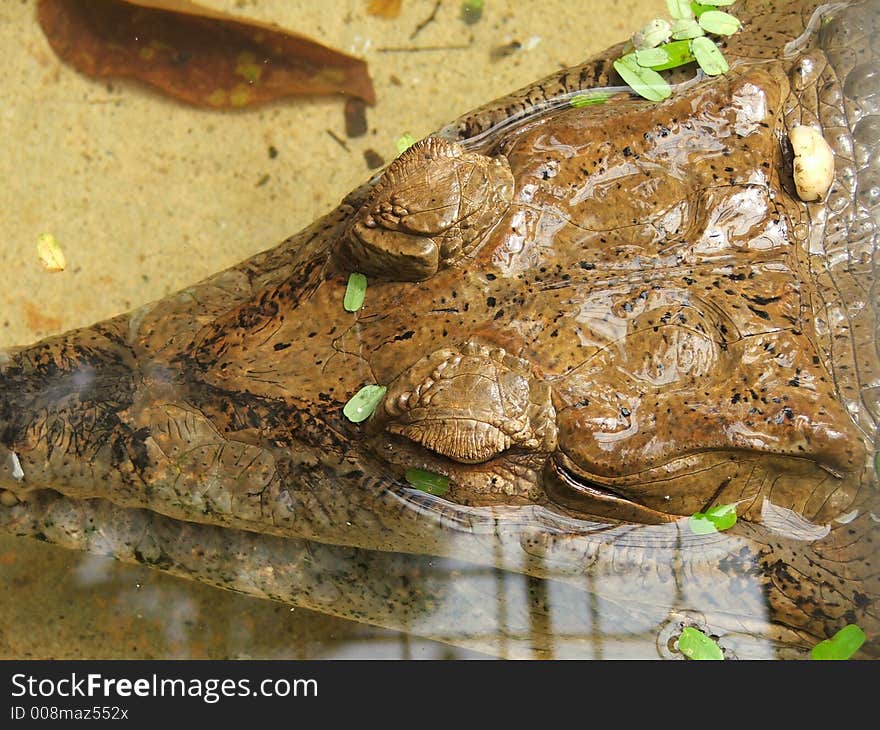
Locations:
(431, 206)
(471, 404)
(381, 251)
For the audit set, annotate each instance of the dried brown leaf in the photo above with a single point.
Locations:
(195, 54)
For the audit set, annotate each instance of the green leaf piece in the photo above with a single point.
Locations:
(678, 52)
(686, 28)
(355, 292)
(651, 57)
(842, 645)
(719, 22)
(404, 142)
(700, 524)
(722, 515)
(644, 81)
(652, 34)
(715, 519)
(718, 3)
(471, 11)
(694, 644)
(680, 9)
(590, 98)
(700, 8)
(363, 403)
(427, 481)
(709, 56)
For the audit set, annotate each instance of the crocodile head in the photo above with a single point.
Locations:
(594, 322)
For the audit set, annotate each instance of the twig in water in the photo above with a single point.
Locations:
(427, 21)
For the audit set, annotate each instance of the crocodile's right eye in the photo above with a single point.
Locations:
(472, 404)
(431, 206)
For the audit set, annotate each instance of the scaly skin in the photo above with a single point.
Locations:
(594, 321)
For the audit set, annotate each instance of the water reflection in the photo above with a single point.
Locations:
(85, 606)
(627, 598)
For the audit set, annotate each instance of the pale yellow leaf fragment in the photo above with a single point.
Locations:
(50, 253)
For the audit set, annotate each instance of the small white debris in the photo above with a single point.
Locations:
(813, 163)
(847, 518)
(50, 253)
(17, 471)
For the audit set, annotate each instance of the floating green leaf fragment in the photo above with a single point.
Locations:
(591, 98)
(652, 57)
(719, 22)
(694, 644)
(700, 524)
(686, 28)
(355, 292)
(680, 9)
(50, 253)
(404, 142)
(723, 515)
(700, 8)
(471, 11)
(427, 481)
(644, 81)
(652, 34)
(678, 53)
(709, 56)
(715, 519)
(842, 645)
(718, 3)
(363, 403)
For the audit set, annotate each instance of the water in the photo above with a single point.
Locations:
(147, 196)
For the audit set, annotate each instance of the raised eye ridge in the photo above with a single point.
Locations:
(433, 205)
(472, 404)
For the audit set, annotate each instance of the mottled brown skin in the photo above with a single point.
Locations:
(595, 321)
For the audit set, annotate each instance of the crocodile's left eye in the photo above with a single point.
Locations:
(471, 404)
(431, 206)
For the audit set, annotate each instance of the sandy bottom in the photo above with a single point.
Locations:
(147, 196)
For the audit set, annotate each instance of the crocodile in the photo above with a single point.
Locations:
(595, 321)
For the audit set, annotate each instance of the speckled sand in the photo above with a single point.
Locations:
(146, 196)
